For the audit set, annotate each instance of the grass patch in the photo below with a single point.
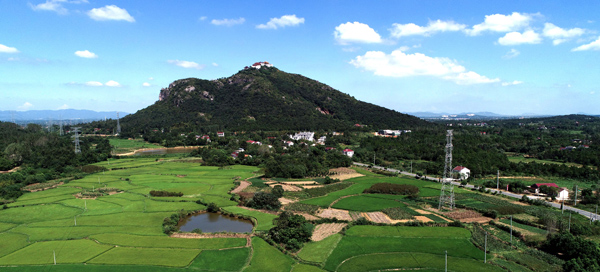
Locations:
(413, 261)
(267, 258)
(366, 203)
(73, 251)
(11, 242)
(128, 240)
(409, 232)
(319, 251)
(147, 256)
(265, 220)
(221, 260)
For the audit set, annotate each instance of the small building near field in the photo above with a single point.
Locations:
(349, 152)
(462, 172)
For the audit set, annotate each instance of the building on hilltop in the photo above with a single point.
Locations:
(260, 64)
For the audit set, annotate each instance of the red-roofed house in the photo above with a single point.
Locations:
(220, 134)
(563, 193)
(462, 171)
(349, 152)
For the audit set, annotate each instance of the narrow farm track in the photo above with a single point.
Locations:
(336, 201)
(243, 185)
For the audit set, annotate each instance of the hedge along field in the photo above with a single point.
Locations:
(147, 256)
(72, 251)
(267, 258)
(389, 239)
(127, 219)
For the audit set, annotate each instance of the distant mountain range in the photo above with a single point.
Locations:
(56, 115)
(473, 115)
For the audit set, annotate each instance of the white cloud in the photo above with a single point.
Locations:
(86, 54)
(215, 64)
(516, 82)
(401, 30)
(283, 21)
(512, 54)
(560, 35)
(50, 5)
(93, 84)
(356, 33)
(516, 38)
(25, 106)
(202, 18)
(112, 83)
(6, 49)
(501, 23)
(228, 22)
(595, 45)
(110, 12)
(63, 107)
(150, 78)
(400, 64)
(146, 84)
(186, 64)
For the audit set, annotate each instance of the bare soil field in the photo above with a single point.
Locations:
(462, 214)
(307, 216)
(41, 189)
(344, 173)
(377, 217)
(285, 201)
(331, 213)
(423, 219)
(422, 211)
(308, 182)
(323, 231)
(287, 188)
(312, 186)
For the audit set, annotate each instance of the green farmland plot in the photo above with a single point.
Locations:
(265, 220)
(366, 240)
(73, 251)
(319, 251)
(128, 240)
(267, 258)
(366, 203)
(147, 256)
(123, 228)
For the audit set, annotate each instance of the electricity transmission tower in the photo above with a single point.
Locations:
(447, 193)
(118, 124)
(76, 141)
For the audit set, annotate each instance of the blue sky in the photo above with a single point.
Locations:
(508, 57)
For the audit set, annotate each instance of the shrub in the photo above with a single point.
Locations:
(277, 191)
(291, 230)
(393, 189)
(491, 214)
(165, 193)
(212, 207)
(262, 200)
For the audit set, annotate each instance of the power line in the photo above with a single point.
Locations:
(76, 141)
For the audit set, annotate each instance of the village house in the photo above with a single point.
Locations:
(462, 172)
(220, 134)
(563, 193)
(306, 135)
(349, 152)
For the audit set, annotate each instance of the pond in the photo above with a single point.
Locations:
(215, 222)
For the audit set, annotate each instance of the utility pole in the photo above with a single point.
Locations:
(485, 256)
(373, 159)
(511, 229)
(570, 221)
(54, 253)
(411, 166)
(575, 201)
(446, 266)
(118, 124)
(498, 180)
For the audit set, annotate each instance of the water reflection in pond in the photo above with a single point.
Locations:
(215, 222)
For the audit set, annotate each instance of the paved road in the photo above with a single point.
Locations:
(513, 195)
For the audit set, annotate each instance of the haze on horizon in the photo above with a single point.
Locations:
(509, 57)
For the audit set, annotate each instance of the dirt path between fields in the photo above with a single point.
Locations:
(243, 185)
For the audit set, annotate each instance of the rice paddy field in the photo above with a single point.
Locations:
(53, 230)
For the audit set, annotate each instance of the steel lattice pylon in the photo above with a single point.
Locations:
(118, 124)
(76, 141)
(447, 193)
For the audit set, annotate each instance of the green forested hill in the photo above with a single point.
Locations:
(264, 99)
